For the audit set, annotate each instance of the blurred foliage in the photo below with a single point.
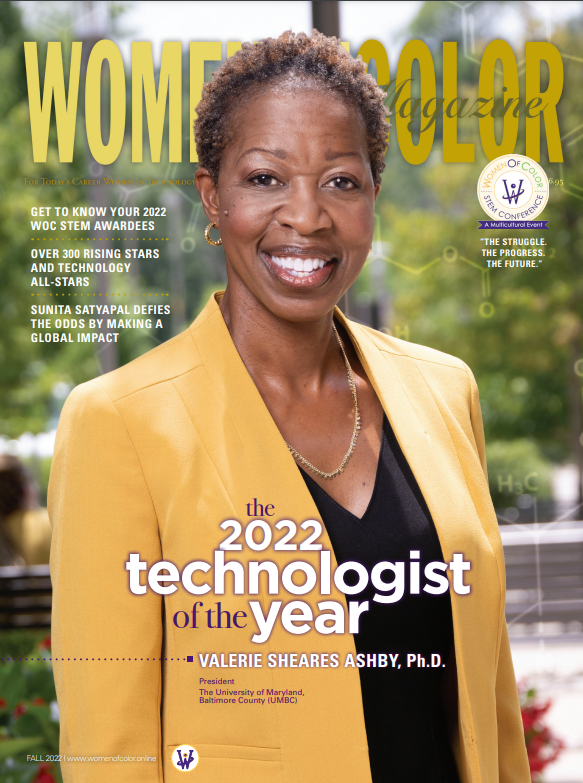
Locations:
(29, 371)
(32, 374)
(29, 723)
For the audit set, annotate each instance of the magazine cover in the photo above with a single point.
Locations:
(291, 392)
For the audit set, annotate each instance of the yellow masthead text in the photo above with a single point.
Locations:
(415, 118)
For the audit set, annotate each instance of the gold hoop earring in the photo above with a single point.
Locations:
(207, 235)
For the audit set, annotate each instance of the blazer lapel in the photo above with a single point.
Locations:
(430, 449)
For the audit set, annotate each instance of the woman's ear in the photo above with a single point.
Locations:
(207, 190)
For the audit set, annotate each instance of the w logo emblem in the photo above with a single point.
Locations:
(512, 195)
(184, 761)
(184, 758)
(513, 190)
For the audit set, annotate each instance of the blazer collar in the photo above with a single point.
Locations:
(405, 395)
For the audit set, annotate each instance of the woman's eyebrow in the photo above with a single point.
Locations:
(276, 153)
(333, 155)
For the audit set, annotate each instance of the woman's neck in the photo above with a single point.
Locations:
(294, 357)
(299, 371)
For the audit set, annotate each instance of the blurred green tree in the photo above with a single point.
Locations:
(36, 377)
(519, 328)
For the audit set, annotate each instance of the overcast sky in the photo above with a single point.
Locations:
(246, 20)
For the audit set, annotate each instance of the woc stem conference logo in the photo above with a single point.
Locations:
(184, 758)
(513, 190)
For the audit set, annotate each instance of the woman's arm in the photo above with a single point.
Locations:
(106, 641)
(512, 759)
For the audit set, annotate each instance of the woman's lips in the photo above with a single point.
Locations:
(299, 271)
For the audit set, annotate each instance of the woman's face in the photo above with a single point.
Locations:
(294, 200)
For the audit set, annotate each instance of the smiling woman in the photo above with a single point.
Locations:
(290, 182)
(159, 457)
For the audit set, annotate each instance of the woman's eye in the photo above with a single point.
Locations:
(342, 183)
(264, 179)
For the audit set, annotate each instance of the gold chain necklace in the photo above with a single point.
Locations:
(355, 431)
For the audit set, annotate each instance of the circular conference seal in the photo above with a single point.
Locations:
(184, 758)
(513, 188)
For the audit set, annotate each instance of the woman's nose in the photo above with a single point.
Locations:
(302, 208)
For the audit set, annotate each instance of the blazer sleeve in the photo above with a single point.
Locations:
(107, 641)
(513, 764)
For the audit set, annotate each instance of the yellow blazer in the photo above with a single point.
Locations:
(150, 459)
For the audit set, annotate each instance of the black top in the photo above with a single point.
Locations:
(403, 709)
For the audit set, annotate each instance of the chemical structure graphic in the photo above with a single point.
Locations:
(380, 252)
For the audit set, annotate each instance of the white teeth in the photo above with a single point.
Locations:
(298, 267)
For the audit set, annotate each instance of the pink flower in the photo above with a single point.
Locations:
(44, 774)
(45, 643)
(542, 746)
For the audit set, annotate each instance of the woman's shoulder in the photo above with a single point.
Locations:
(161, 364)
(173, 358)
(105, 413)
(408, 350)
